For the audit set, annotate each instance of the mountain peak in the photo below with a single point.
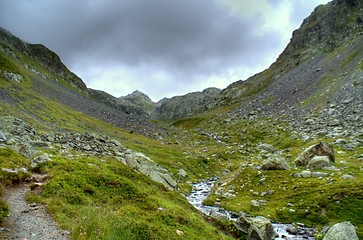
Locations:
(137, 96)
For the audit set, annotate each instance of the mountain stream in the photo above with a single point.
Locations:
(200, 192)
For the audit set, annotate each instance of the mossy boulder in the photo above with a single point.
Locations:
(275, 163)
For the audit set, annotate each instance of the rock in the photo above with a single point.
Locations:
(40, 144)
(148, 167)
(115, 142)
(319, 174)
(182, 173)
(320, 149)
(340, 141)
(2, 137)
(218, 215)
(305, 174)
(334, 122)
(341, 231)
(318, 162)
(39, 159)
(292, 230)
(266, 148)
(275, 163)
(256, 228)
(347, 176)
(255, 203)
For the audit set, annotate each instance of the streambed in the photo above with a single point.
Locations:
(200, 192)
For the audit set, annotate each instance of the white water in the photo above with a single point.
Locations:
(200, 192)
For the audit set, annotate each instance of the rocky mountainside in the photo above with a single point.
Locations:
(321, 64)
(187, 105)
(31, 71)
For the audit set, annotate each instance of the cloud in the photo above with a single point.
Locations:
(161, 47)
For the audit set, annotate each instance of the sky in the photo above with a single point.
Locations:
(163, 48)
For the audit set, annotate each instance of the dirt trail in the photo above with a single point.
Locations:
(28, 221)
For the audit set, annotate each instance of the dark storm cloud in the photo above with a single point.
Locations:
(185, 37)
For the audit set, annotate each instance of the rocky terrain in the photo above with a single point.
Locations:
(284, 146)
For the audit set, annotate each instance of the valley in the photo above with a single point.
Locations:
(285, 144)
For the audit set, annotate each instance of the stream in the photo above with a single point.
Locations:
(200, 192)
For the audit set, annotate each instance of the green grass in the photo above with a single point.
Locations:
(104, 199)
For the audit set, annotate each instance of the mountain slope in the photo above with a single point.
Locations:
(322, 63)
(43, 74)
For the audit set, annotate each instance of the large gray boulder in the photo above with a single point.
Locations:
(341, 231)
(275, 163)
(255, 228)
(320, 149)
(318, 162)
(148, 167)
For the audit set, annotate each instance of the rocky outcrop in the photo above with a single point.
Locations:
(341, 231)
(320, 149)
(275, 163)
(18, 135)
(148, 167)
(255, 228)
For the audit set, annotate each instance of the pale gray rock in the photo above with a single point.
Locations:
(2, 137)
(255, 228)
(305, 174)
(275, 163)
(318, 162)
(148, 167)
(341, 231)
(266, 148)
(218, 215)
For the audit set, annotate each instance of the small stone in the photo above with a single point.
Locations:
(255, 203)
(292, 230)
(347, 176)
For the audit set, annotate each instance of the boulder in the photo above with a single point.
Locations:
(40, 159)
(255, 228)
(320, 149)
(266, 148)
(341, 231)
(318, 162)
(219, 215)
(275, 163)
(148, 167)
(305, 174)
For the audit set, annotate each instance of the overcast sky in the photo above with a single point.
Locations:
(160, 47)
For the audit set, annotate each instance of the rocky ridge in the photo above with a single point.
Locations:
(18, 135)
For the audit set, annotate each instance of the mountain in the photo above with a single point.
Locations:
(287, 143)
(322, 63)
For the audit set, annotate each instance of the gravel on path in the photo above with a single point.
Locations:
(28, 221)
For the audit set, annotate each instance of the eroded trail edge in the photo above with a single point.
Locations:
(28, 220)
